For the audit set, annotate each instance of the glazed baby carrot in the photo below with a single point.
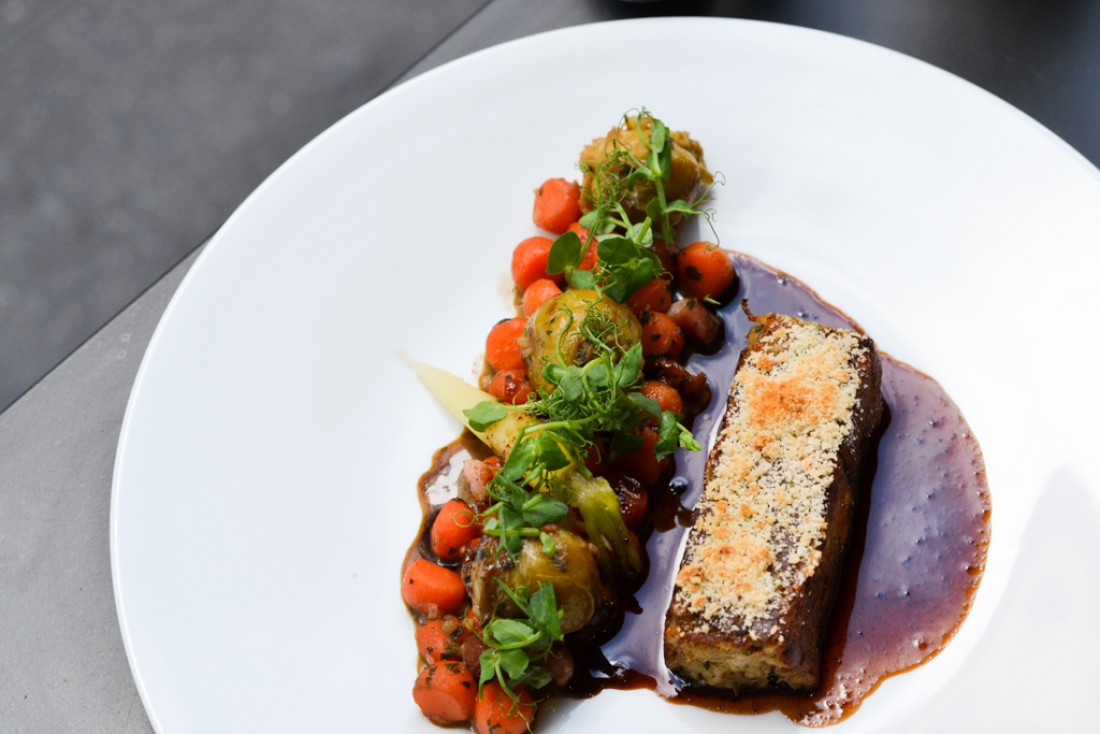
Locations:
(432, 589)
(557, 205)
(656, 295)
(511, 386)
(704, 270)
(446, 692)
(439, 639)
(538, 293)
(529, 260)
(454, 527)
(661, 336)
(502, 345)
(495, 712)
(666, 395)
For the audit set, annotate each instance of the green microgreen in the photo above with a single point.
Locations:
(625, 265)
(518, 646)
(485, 414)
(518, 513)
(600, 397)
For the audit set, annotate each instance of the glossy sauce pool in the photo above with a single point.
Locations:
(914, 560)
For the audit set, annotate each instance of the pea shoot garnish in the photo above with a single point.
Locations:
(545, 470)
(518, 645)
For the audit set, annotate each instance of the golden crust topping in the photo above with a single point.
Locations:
(761, 522)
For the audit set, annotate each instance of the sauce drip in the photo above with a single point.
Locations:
(914, 560)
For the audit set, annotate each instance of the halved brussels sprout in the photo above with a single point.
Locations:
(572, 327)
(571, 570)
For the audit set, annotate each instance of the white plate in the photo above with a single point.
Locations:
(265, 481)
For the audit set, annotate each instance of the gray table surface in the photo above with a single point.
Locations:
(130, 130)
(62, 663)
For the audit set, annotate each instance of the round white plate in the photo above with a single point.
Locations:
(265, 483)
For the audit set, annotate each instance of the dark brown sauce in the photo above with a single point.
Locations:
(915, 558)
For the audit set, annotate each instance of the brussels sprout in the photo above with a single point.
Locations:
(607, 163)
(573, 328)
(571, 570)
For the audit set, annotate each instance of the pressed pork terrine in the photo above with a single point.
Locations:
(762, 560)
